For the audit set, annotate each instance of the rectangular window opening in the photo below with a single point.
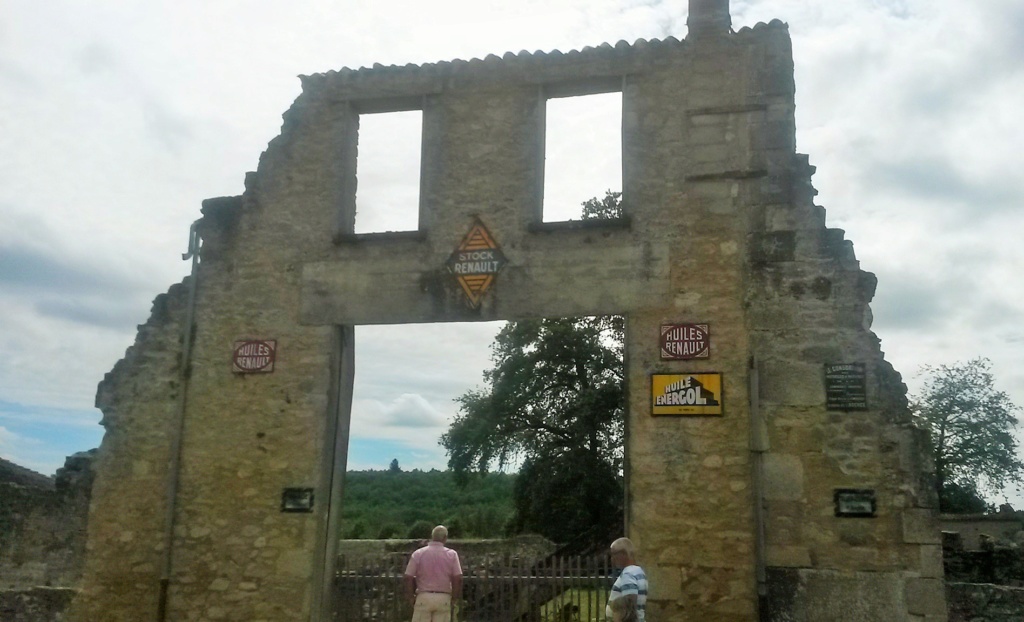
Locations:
(583, 156)
(405, 397)
(388, 172)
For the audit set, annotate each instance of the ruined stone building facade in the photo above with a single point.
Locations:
(800, 497)
(42, 537)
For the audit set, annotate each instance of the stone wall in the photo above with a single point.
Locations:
(138, 399)
(998, 561)
(719, 227)
(973, 529)
(35, 604)
(526, 546)
(43, 524)
(11, 473)
(973, 602)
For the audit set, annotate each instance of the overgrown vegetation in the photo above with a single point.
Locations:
(407, 504)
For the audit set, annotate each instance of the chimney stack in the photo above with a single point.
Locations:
(708, 17)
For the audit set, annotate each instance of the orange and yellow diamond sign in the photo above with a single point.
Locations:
(476, 262)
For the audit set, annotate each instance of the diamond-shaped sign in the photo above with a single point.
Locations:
(476, 262)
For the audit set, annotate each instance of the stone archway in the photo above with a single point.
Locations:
(808, 475)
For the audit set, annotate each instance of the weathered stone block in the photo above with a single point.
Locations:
(783, 477)
(665, 582)
(931, 561)
(793, 383)
(920, 526)
(788, 556)
(822, 596)
(926, 597)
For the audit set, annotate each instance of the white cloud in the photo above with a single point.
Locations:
(407, 380)
(406, 412)
(24, 451)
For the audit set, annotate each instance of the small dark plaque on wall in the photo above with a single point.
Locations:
(855, 502)
(254, 356)
(297, 500)
(845, 386)
(685, 341)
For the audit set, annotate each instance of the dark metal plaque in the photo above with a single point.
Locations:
(685, 341)
(297, 500)
(845, 386)
(855, 502)
(254, 356)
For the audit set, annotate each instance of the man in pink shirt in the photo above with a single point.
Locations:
(433, 579)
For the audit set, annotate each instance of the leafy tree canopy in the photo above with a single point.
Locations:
(971, 426)
(554, 406)
(957, 499)
(610, 206)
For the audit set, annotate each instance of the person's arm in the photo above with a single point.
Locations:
(457, 587)
(622, 607)
(456, 570)
(410, 588)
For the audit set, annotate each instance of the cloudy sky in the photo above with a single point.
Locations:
(117, 118)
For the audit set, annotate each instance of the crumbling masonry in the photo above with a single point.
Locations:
(736, 516)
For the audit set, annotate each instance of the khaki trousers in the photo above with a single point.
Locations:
(432, 607)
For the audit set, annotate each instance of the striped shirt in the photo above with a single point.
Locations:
(632, 581)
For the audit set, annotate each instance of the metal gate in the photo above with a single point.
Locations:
(495, 589)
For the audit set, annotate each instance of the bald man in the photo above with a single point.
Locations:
(627, 601)
(433, 579)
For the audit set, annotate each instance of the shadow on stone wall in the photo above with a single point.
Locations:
(985, 548)
(982, 602)
(35, 604)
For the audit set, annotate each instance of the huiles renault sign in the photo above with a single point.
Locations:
(685, 341)
(254, 356)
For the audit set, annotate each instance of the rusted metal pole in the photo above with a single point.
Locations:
(759, 445)
(174, 465)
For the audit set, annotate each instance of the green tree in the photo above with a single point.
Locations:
(610, 206)
(356, 530)
(555, 405)
(971, 427)
(420, 530)
(389, 530)
(957, 499)
(569, 496)
(376, 498)
(393, 467)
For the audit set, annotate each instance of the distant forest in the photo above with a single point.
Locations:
(407, 504)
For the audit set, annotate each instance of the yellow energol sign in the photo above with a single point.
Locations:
(476, 262)
(686, 394)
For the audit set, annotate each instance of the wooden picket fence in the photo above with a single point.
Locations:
(495, 589)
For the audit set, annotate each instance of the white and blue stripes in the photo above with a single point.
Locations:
(633, 580)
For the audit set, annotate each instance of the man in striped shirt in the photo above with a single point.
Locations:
(628, 599)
